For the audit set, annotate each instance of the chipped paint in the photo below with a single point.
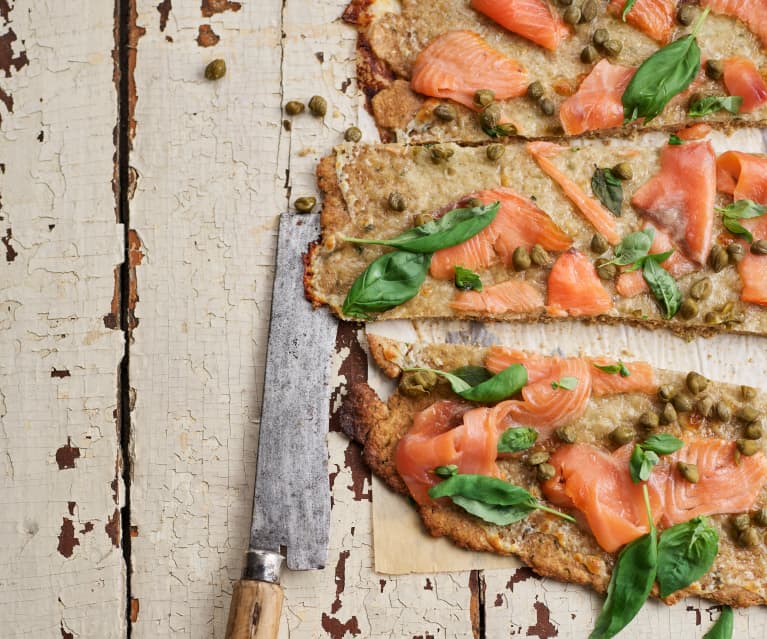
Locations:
(66, 455)
(543, 628)
(164, 8)
(112, 528)
(135, 256)
(206, 37)
(60, 373)
(211, 7)
(10, 252)
(67, 538)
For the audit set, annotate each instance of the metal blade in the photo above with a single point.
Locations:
(291, 505)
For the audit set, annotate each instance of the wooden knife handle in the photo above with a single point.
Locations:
(255, 610)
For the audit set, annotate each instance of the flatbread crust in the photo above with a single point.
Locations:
(392, 34)
(551, 547)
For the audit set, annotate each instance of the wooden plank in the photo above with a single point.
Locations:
(63, 571)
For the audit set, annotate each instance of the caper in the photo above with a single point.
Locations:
(748, 537)
(701, 289)
(718, 258)
(473, 202)
(565, 3)
(520, 259)
(682, 402)
(567, 434)
(546, 106)
(441, 153)
(589, 54)
(649, 421)
(712, 318)
(294, 107)
(622, 435)
(753, 431)
(417, 383)
(747, 447)
(422, 218)
(396, 201)
(666, 393)
(495, 152)
(318, 106)
(305, 204)
(760, 517)
(747, 392)
(489, 118)
(572, 15)
(714, 69)
(747, 414)
(623, 171)
(539, 256)
(589, 11)
(605, 270)
(445, 112)
(613, 47)
(215, 70)
(688, 471)
(668, 415)
(696, 382)
(723, 411)
(741, 522)
(535, 90)
(735, 251)
(759, 247)
(600, 36)
(484, 98)
(352, 134)
(544, 472)
(686, 15)
(537, 458)
(688, 308)
(705, 405)
(599, 243)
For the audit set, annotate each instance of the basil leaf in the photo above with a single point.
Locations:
(662, 443)
(446, 471)
(742, 209)
(630, 585)
(641, 463)
(514, 440)
(659, 257)
(613, 369)
(505, 384)
(685, 553)
(633, 247)
(498, 515)
(663, 287)
(675, 140)
(566, 383)
(472, 375)
(608, 189)
(723, 627)
(467, 280)
(736, 228)
(388, 281)
(713, 103)
(452, 228)
(626, 8)
(500, 130)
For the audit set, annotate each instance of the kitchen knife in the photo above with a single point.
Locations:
(291, 504)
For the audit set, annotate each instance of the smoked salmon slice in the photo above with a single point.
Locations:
(652, 17)
(753, 273)
(519, 222)
(513, 296)
(752, 12)
(679, 199)
(742, 175)
(447, 432)
(457, 64)
(741, 77)
(599, 217)
(597, 102)
(531, 19)
(574, 288)
(538, 366)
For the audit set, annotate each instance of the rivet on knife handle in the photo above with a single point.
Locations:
(257, 599)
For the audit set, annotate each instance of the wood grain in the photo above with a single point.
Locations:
(254, 612)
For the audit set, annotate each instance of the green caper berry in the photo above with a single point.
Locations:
(396, 201)
(723, 411)
(613, 47)
(567, 434)
(685, 15)
(688, 471)
(589, 11)
(539, 256)
(489, 118)
(688, 309)
(215, 70)
(623, 171)
(747, 414)
(287, 125)
(294, 107)
(599, 243)
(305, 204)
(741, 522)
(535, 90)
(682, 403)
(445, 112)
(422, 218)
(318, 106)
(712, 318)
(495, 152)
(718, 258)
(547, 106)
(605, 270)
(353, 134)
(701, 289)
(572, 15)
(714, 69)
(417, 383)
(747, 447)
(484, 98)
(759, 247)
(749, 537)
(760, 517)
(753, 431)
(747, 392)
(441, 153)
(589, 54)
(649, 421)
(520, 259)
(473, 202)
(600, 36)
(696, 382)
(537, 458)
(735, 252)
(622, 435)
(545, 472)
(666, 393)
(668, 416)
(704, 406)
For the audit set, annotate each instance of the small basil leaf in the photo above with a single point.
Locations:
(388, 281)
(467, 280)
(630, 585)
(613, 369)
(723, 627)
(452, 228)
(663, 287)
(675, 140)
(499, 387)
(472, 375)
(498, 515)
(743, 209)
(514, 440)
(736, 228)
(457, 383)
(662, 443)
(660, 257)
(626, 8)
(633, 247)
(641, 463)
(713, 103)
(608, 189)
(566, 383)
(685, 553)
(446, 471)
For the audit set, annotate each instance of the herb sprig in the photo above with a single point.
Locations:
(614, 369)
(499, 387)
(741, 210)
(608, 188)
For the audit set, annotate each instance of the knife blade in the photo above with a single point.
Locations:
(291, 503)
